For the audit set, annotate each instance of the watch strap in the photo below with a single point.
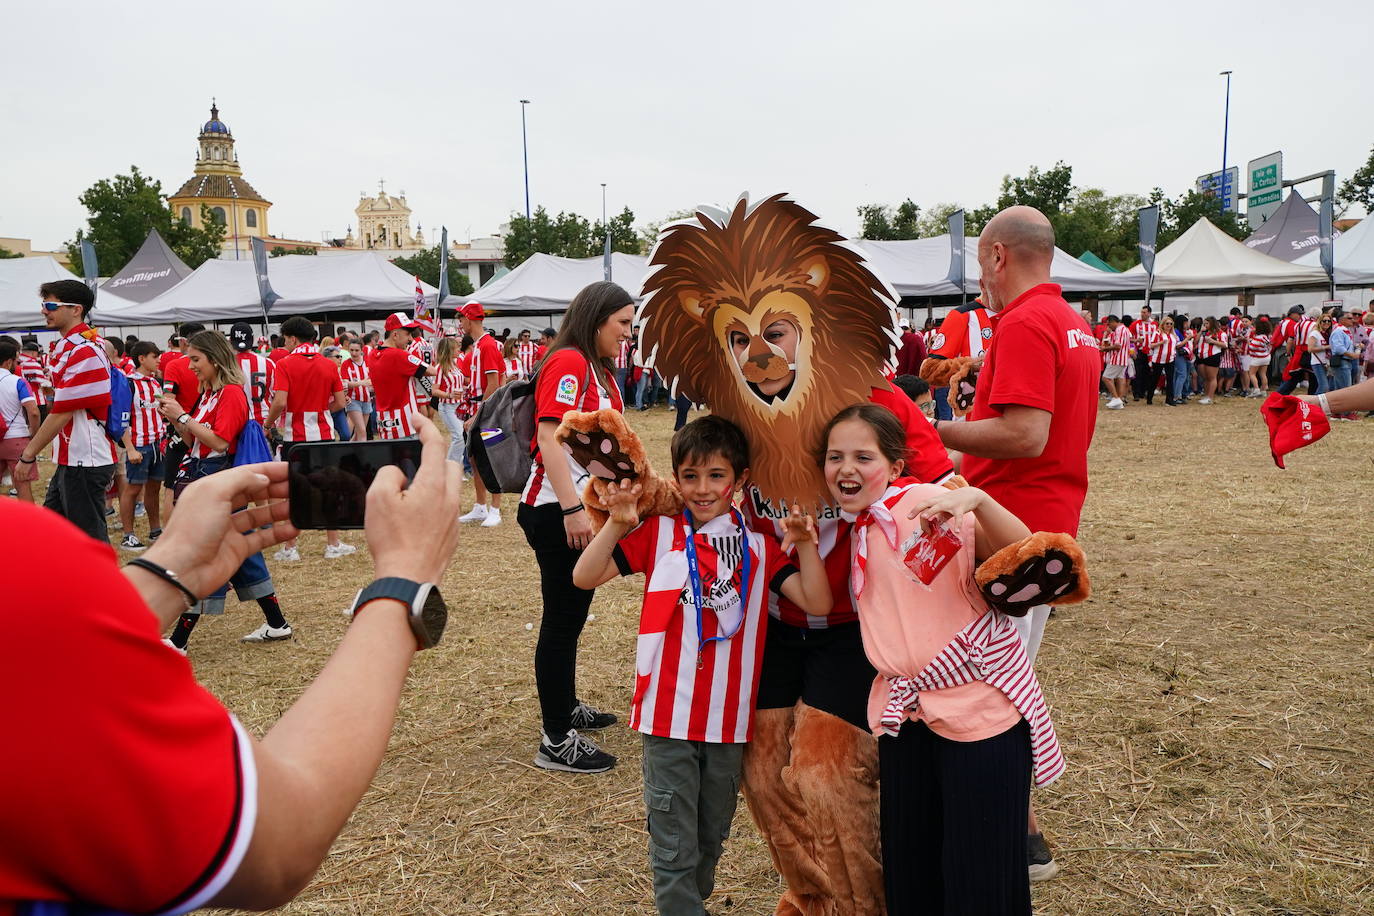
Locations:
(410, 593)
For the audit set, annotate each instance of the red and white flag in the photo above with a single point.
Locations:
(422, 315)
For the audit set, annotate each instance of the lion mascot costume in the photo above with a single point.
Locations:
(777, 324)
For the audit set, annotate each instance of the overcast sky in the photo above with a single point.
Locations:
(670, 104)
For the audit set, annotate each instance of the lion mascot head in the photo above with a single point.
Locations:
(772, 321)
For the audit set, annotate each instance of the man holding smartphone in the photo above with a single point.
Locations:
(392, 369)
(306, 390)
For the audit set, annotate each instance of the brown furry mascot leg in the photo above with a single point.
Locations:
(778, 812)
(835, 772)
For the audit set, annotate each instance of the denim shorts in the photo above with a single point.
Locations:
(150, 468)
(362, 407)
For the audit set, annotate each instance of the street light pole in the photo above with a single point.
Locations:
(1225, 136)
(603, 204)
(525, 145)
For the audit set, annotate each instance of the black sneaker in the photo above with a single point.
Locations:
(574, 754)
(586, 718)
(1042, 864)
(154, 535)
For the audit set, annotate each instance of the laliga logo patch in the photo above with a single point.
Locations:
(987, 333)
(567, 390)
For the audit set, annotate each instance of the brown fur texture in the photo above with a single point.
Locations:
(811, 782)
(1052, 567)
(719, 274)
(603, 443)
(937, 371)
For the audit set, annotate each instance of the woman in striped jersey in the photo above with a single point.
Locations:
(1211, 342)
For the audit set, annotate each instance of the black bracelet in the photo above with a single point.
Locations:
(574, 510)
(33, 460)
(166, 575)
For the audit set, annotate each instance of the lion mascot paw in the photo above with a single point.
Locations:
(959, 375)
(1041, 569)
(603, 443)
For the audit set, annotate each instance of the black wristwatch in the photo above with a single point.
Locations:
(428, 613)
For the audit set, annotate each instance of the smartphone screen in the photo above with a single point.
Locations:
(328, 481)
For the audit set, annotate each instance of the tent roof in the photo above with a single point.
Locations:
(1352, 253)
(1290, 233)
(1206, 259)
(920, 268)
(1093, 260)
(152, 270)
(19, 282)
(545, 283)
(224, 290)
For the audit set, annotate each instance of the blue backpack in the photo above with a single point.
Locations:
(121, 405)
(252, 447)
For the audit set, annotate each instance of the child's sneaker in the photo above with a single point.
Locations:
(574, 754)
(139, 510)
(287, 555)
(476, 514)
(1041, 863)
(334, 551)
(268, 633)
(131, 542)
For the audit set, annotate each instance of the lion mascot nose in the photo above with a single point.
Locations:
(761, 352)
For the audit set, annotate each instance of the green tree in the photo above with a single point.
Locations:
(935, 221)
(882, 223)
(425, 265)
(1359, 188)
(280, 250)
(567, 235)
(124, 209)
(1102, 223)
(648, 236)
(6, 253)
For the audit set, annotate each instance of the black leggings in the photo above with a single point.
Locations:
(954, 821)
(565, 613)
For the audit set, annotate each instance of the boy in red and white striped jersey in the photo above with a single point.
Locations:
(306, 389)
(525, 351)
(1116, 356)
(144, 470)
(259, 372)
(81, 399)
(700, 646)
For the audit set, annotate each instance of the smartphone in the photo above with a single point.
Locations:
(328, 481)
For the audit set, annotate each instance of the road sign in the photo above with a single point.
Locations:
(1212, 183)
(1265, 191)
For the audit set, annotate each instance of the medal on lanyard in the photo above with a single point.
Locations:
(694, 577)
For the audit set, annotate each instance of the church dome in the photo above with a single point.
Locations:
(215, 125)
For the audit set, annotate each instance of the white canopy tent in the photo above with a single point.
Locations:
(920, 268)
(1352, 254)
(544, 284)
(1205, 259)
(19, 282)
(228, 290)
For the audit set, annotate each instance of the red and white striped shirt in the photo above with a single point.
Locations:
(31, 367)
(145, 423)
(1233, 324)
(1205, 349)
(450, 379)
(1258, 348)
(622, 355)
(351, 372)
(127, 366)
(513, 368)
(225, 412)
(1121, 356)
(566, 382)
(81, 384)
(526, 352)
(259, 375)
(391, 371)
(1163, 347)
(1144, 332)
(686, 687)
(309, 381)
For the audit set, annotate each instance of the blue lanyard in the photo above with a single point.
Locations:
(694, 577)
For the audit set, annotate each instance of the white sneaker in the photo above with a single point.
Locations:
(173, 646)
(493, 518)
(334, 551)
(1115, 404)
(267, 633)
(287, 555)
(1205, 401)
(139, 510)
(476, 514)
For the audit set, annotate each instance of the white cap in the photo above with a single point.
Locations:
(904, 324)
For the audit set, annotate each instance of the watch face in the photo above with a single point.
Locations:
(434, 615)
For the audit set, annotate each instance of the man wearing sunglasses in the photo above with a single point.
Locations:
(81, 399)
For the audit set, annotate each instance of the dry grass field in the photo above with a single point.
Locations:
(1215, 699)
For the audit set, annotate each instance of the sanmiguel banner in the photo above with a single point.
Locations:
(1149, 232)
(443, 270)
(956, 249)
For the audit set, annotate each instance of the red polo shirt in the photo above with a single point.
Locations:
(1042, 355)
(178, 370)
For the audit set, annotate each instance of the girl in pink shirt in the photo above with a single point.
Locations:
(956, 753)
